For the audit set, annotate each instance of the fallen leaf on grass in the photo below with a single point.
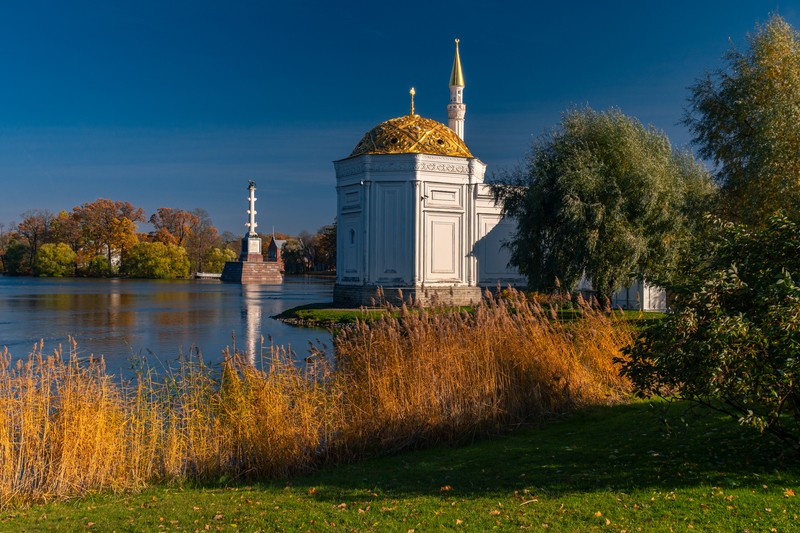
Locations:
(459, 521)
(598, 513)
(495, 512)
(447, 488)
(788, 493)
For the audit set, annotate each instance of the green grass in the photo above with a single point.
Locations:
(634, 467)
(323, 315)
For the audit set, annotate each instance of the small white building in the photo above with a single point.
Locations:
(414, 213)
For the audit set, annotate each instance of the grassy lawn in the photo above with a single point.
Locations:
(634, 467)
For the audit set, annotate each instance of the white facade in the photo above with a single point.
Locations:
(421, 223)
(639, 295)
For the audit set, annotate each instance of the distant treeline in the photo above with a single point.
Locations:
(101, 239)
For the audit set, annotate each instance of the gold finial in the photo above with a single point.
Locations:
(412, 92)
(457, 75)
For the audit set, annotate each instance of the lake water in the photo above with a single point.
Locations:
(123, 319)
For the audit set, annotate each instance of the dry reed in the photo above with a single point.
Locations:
(68, 429)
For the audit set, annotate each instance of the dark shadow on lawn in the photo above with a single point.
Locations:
(620, 448)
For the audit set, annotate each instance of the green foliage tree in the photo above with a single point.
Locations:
(217, 257)
(746, 119)
(294, 257)
(602, 196)
(98, 267)
(16, 258)
(54, 260)
(156, 260)
(733, 340)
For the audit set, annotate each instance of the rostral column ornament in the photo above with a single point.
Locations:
(252, 225)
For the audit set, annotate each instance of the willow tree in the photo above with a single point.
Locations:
(746, 119)
(602, 195)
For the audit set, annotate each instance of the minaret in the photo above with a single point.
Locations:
(456, 108)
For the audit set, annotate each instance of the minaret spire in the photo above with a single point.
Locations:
(456, 108)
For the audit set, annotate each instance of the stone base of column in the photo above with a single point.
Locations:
(252, 272)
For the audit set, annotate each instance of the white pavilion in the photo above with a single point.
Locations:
(415, 215)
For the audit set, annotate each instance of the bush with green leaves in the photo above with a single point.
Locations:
(98, 267)
(15, 258)
(733, 339)
(216, 258)
(156, 260)
(54, 260)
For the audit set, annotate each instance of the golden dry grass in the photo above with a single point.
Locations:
(67, 428)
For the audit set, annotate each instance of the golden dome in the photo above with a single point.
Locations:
(411, 134)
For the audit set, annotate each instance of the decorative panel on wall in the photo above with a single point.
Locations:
(443, 248)
(390, 237)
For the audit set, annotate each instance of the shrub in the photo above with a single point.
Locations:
(99, 267)
(54, 260)
(217, 257)
(16, 258)
(156, 260)
(733, 340)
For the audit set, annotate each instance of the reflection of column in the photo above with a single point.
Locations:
(251, 312)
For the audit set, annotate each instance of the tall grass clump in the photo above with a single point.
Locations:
(63, 427)
(434, 375)
(67, 428)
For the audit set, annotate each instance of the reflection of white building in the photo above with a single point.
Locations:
(414, 213)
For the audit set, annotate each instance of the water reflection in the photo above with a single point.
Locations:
(159, 320)
(251, 313)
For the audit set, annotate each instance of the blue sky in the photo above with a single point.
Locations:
(179, 103)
